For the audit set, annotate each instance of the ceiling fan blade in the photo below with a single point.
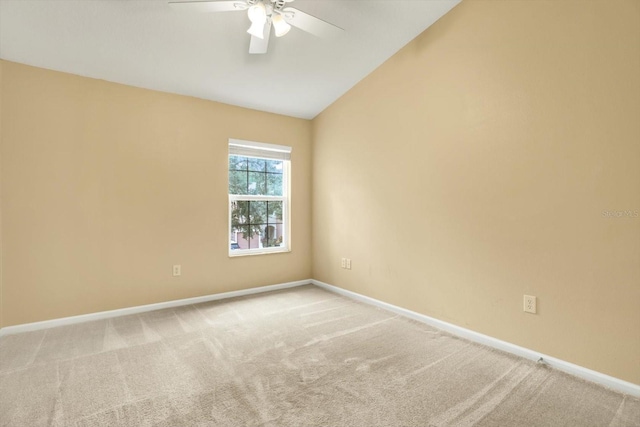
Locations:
(310, 24)
(209, 6)
(258, 45)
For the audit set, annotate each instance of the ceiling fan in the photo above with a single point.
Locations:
(263, 15)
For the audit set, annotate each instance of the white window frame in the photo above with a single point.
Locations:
(262, 150)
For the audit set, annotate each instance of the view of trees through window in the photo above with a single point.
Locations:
(256, 212)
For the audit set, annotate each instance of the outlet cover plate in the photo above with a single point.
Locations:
(530, 304)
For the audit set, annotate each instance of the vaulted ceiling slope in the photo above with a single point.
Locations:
(146, 43)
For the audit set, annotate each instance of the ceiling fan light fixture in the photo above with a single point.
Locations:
(280, 26)
(263, 15)
(258, 16)
(258, 13)
(257, 30)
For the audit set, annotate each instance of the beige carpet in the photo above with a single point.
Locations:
(299, 357)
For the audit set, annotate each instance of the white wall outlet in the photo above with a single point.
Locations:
(530, 304)
(348, 263)
(177, 270)
(343, 263)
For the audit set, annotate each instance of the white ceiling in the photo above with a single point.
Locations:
(148, 44)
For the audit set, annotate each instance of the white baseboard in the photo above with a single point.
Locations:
(561, 365)
(26, 327)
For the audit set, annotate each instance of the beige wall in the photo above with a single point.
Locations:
(1, 315)
(106, 186)
(474, 167)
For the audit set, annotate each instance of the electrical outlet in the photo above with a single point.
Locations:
(177, 270)
(343, 263)
(348, 263)
(530, 304)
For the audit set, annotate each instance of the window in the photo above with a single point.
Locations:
(258, 197)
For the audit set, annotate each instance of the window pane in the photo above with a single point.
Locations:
(243, 238)
(237, 182)
(257, 165)
(271, 237)
(274, 184)
(239, 213)
(254, 240)
(274, 166)
(274, 212)
(233, 240)
(257, 212)
(257, 184)
(274, 232)
(238, 163)
(248, 237)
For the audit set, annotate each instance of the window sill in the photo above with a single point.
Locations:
(252, 252)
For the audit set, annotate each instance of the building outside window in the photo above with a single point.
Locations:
(259, 196)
